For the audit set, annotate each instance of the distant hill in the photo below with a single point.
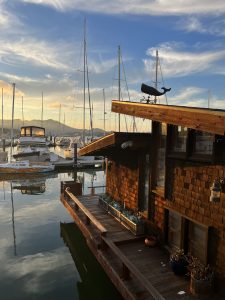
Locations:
(52, 127)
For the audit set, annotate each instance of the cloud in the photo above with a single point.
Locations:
(33, 270)
(7, 89)
(8, 21)
(36, 52)
(196, 97)
(138, 7)
(176, 63)
(194, 24)
(102, 66)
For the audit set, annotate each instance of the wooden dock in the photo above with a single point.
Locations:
(137, 271)
(63, 164)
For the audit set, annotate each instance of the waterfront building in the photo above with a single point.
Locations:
(172, 177)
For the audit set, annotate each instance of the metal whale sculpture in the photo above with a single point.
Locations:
(152, 91)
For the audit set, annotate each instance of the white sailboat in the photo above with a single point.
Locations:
(21, 167)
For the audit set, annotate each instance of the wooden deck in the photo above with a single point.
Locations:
(138, 272)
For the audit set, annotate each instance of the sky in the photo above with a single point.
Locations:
(41, 51)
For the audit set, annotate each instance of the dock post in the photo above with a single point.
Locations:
(3, 145)
(75, 154)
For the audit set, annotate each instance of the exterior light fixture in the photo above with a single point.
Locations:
(215, 191)
(127, 144)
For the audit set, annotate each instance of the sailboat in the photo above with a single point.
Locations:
(26, 166)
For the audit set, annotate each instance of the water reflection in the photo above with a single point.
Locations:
(13, 221)
(94, 283)
(33, 257)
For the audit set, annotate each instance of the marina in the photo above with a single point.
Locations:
(112, 150)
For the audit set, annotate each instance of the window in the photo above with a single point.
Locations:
(161, 157)
(188, 235)
(198, 241)
(203, 143)
(143, 204)
(22, 132)
(28, 131)
(174, 230)
(179, 139)
(38, 132)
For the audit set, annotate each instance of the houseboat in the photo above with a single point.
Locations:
(173, 181)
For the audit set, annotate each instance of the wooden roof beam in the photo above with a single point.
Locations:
(208, 120)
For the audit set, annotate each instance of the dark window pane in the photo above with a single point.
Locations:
(160, 178)
(174, 230)
(203, 143)
(198, 237)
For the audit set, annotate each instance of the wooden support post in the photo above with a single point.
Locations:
(92, 190)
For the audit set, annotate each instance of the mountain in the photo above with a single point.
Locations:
(52, 127)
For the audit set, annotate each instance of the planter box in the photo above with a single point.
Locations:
(201, 287)
(136, 229)
(104, 204)
(114, 212)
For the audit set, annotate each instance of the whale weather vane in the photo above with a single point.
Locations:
(151, 91)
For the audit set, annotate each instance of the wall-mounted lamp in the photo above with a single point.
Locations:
(127, 144)
(216, 190)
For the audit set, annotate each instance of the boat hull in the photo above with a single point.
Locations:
(25, 168)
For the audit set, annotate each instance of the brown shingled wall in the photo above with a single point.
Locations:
(122, 184)
(190, 197)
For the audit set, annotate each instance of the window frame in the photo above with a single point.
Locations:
(184, 238)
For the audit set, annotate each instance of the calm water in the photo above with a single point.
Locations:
(42, 253)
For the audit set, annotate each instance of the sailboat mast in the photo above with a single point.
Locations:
(13, 100)
(156, 71)
(2, 118)
(89, 99)
(22, 112)
(59, 119)
(119, 80)
(84, 71)
(104, 111)
(42, 112)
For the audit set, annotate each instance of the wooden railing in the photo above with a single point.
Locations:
(89, 217)
(129, 268)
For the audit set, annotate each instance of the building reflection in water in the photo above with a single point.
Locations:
(94, 282)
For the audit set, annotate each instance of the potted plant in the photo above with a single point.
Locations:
(179, 262)
(202, 277)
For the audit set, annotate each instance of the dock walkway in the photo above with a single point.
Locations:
(138, 272)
